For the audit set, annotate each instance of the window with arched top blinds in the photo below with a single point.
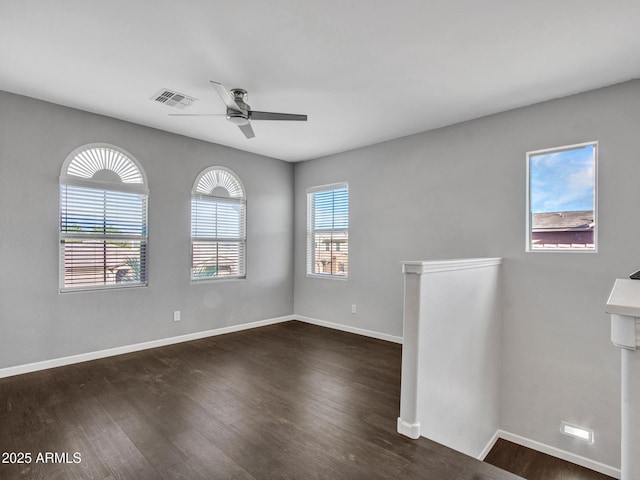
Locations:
(103, 220)
(220, 181)
(218, 226)
(95, 161)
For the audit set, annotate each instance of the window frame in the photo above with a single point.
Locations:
(311, 231)
(529, 215)
(136, 186)
(241, 240)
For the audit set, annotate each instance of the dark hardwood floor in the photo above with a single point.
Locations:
(534, 465)
(291, 401)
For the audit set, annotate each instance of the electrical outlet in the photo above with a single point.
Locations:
(176, 316)
(354, 308)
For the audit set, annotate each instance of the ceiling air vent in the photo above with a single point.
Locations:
(173, 99)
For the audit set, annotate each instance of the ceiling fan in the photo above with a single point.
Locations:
(239, 112)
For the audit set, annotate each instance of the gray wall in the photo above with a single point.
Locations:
(38, 323)
(460, 192)
(449, 193)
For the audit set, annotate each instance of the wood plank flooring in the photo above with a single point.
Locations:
(287, 401)
(534, 465)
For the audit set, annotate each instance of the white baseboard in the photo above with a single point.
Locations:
(411, 430)
(110, 352)
(554, 452)
(349, 329)
(485, 451)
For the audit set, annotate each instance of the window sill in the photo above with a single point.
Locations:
(102, 288)
(343, 278)
(217, 280)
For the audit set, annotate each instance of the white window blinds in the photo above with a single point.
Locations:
(103, 221)
(328, 231)
(218, 226)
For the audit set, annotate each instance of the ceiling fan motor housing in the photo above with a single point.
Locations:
(239, 117)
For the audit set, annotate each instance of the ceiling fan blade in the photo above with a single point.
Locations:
(225, 96)
(255, 115)
(197, 114)
(247, 130)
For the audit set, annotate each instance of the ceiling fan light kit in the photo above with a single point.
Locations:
(239, 111)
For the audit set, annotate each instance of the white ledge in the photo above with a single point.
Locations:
(432, 266)
(625, 298)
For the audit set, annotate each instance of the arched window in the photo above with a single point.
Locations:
(218, 219)
(103, 220)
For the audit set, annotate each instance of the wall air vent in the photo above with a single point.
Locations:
(173, 99)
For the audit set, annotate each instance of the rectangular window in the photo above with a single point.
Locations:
(328, 231)
(103, 238)
(218, 237)
(562, 199)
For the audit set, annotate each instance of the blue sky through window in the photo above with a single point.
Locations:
(562, 181)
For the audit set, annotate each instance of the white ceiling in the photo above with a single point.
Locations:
(364, 71)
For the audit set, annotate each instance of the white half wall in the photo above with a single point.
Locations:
(451, 353)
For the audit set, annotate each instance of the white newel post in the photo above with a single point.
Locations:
(408, 423)
(624, 307)
(450, 352)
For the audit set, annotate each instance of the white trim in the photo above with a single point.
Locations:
(411, 430)
(558, 453)
(349, 329)
(328, 276)
(422, 267)
(110, 352)
(490, 444)
(330, 186)
(222, 279)
(624, 298)
(136, 347)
